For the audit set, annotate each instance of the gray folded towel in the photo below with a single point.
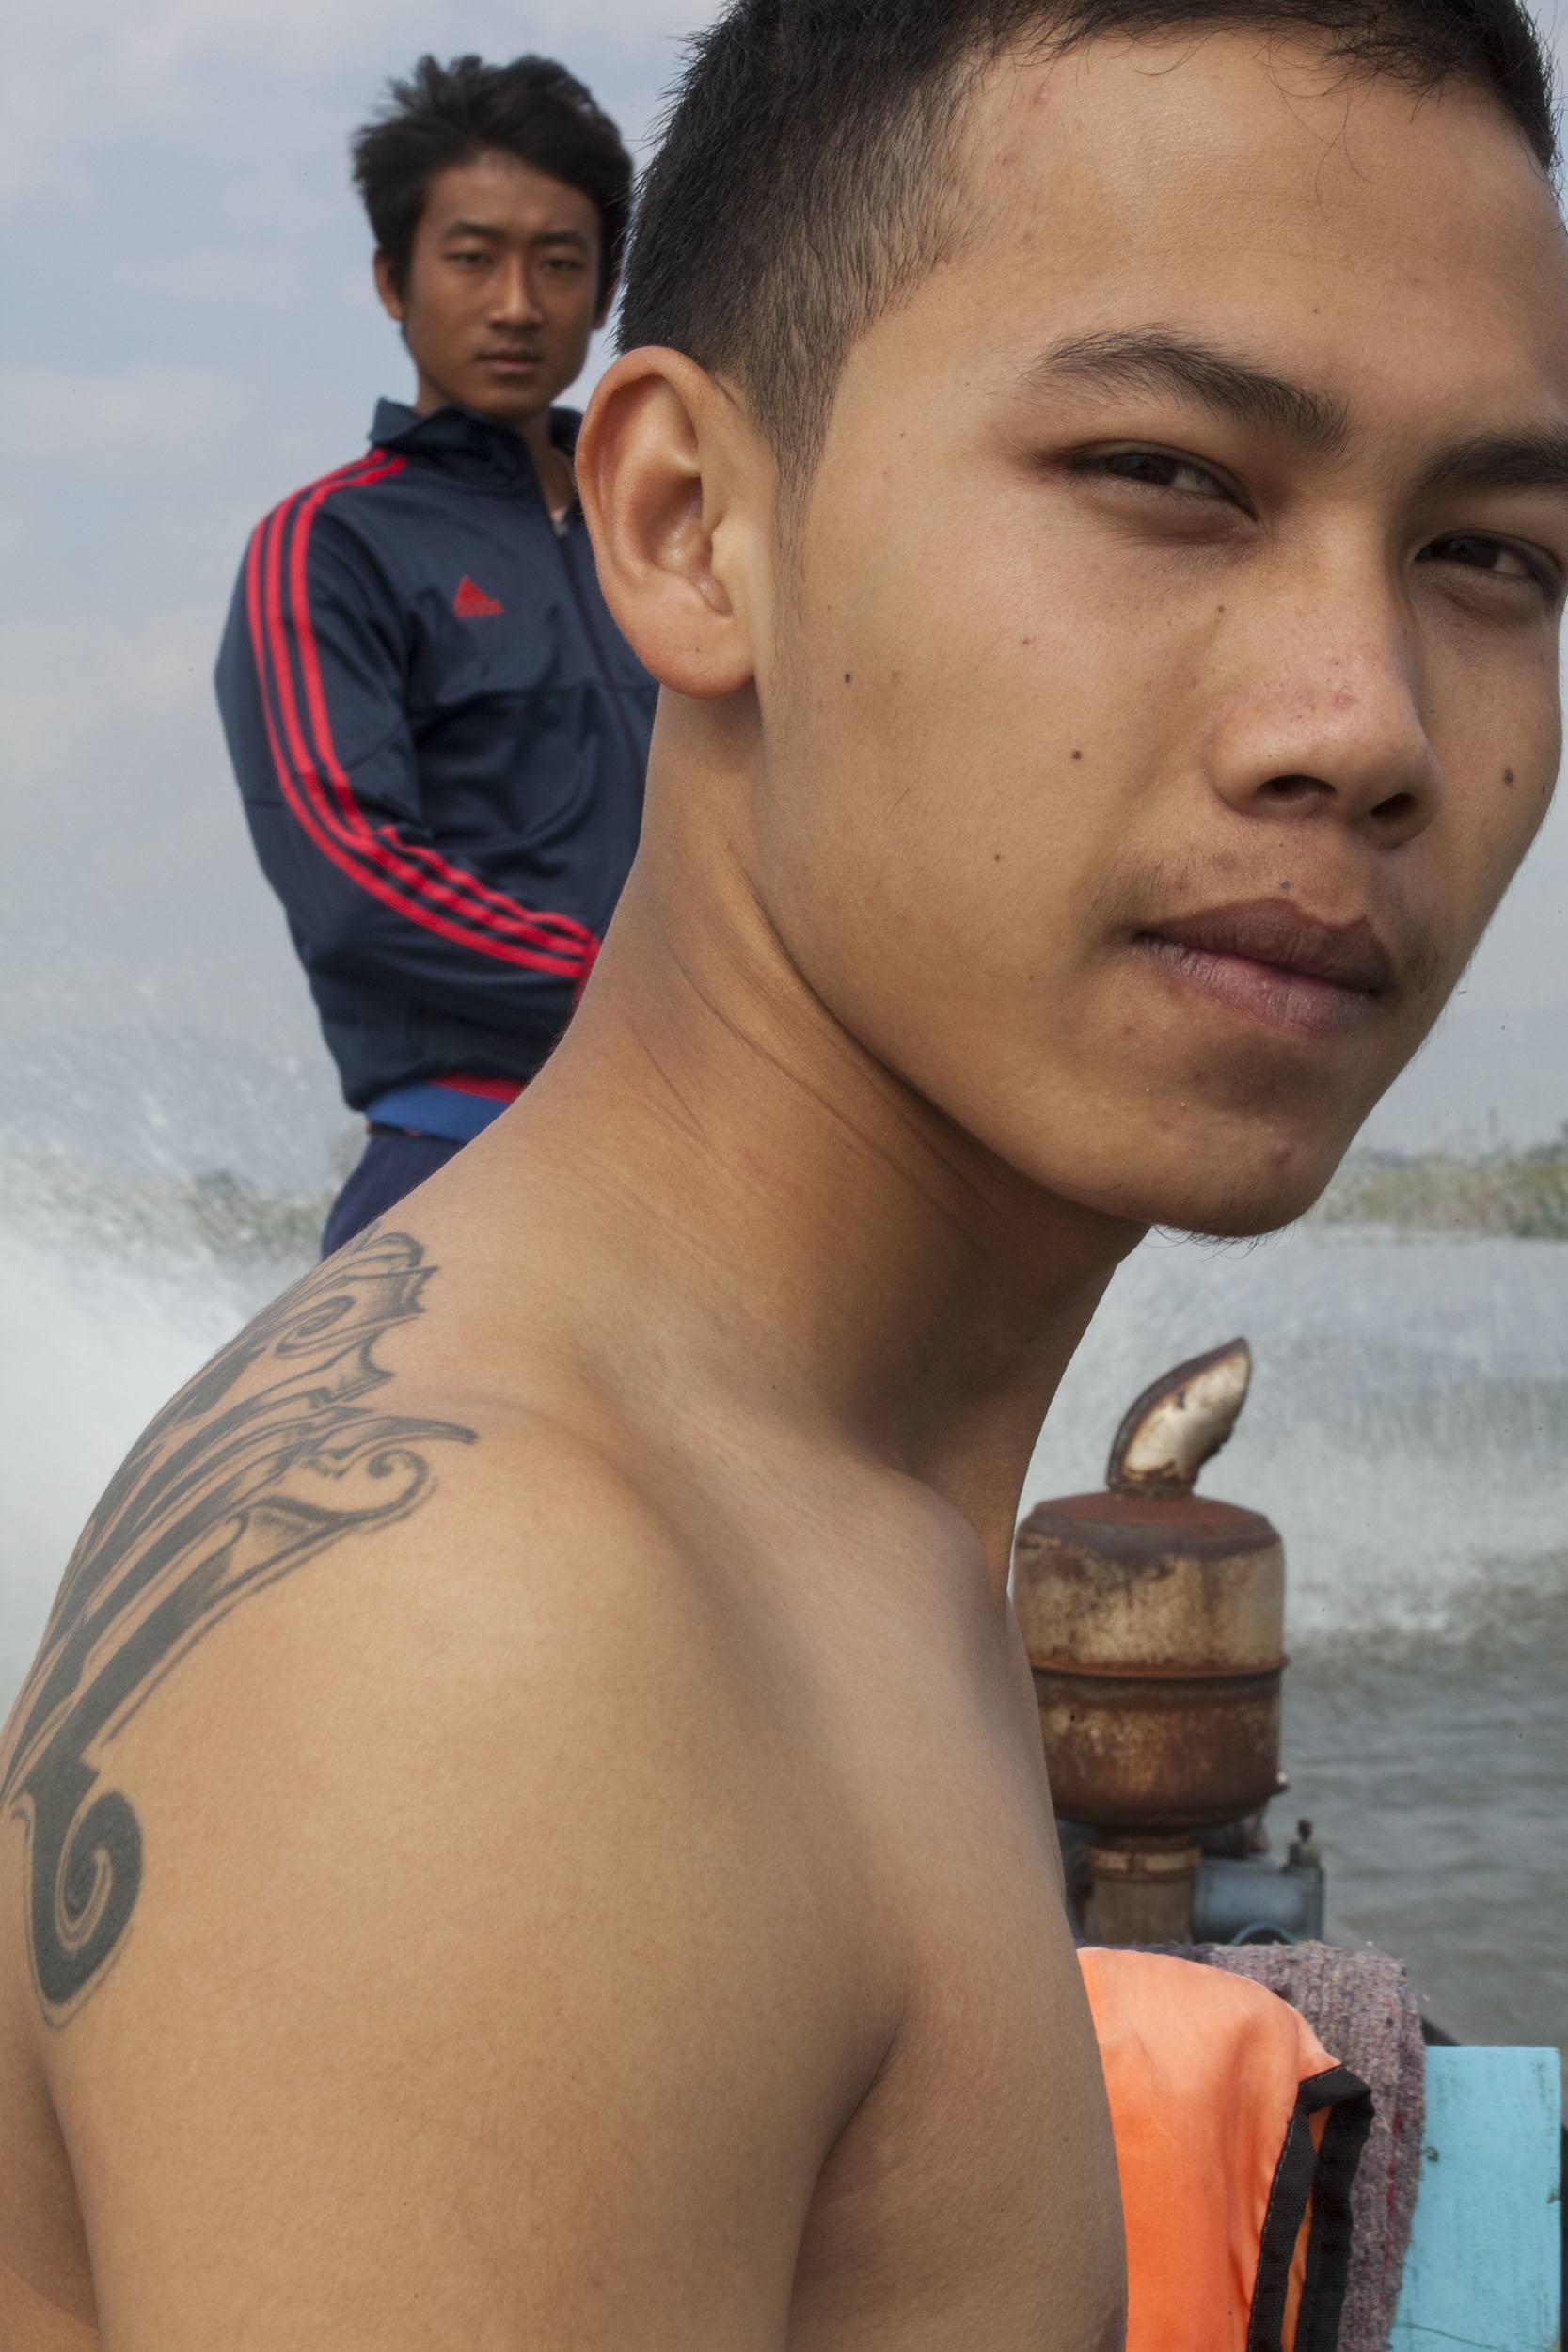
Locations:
(1362, 2009)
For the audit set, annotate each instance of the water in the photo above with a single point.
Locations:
(1407, 1432)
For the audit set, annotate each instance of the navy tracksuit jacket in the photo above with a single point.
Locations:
(439, 736)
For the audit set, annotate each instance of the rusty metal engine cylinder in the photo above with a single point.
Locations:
(1154, 1630)
(1154, 1623)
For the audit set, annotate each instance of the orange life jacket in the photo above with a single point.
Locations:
(1237, 2138)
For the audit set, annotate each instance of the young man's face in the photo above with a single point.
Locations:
(502, 289)
(1147, 743)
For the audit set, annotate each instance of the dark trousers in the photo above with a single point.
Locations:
(391, 1165)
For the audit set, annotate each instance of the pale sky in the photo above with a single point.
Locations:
(189, 333)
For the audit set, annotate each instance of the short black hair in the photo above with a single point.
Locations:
(799, 188)
(448, 114)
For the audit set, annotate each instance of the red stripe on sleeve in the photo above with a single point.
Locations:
(301, 785)
(446, 885)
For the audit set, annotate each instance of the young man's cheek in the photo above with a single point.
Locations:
(1496, 801)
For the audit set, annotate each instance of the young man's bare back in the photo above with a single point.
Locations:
(528, 1826)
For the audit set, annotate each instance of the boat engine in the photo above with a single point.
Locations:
(1154, 1621)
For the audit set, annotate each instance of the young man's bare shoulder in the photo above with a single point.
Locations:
(390, 1778)
(325, 1600)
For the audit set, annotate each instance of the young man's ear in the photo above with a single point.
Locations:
(387, 287)
(667, 472)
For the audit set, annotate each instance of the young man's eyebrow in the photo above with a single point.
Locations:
(1535, 458)
(487, 230)
(1154, 359)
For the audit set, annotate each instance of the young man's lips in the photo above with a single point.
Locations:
(1279, 965)
(509, 359)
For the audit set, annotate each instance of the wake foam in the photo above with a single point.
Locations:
(110, 1304)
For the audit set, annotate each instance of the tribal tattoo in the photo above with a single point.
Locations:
(223, 1495)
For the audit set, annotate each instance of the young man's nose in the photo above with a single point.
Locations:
(514, 297)
(1334, 730)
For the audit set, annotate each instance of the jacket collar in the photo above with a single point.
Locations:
(490, 457)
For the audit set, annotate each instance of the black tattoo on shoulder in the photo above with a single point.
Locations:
(223, 1495)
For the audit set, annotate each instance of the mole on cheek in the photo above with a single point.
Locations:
(1507, 775)
(847, 676)
(1077, 755)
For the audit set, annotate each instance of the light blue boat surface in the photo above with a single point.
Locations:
(1484, 2267)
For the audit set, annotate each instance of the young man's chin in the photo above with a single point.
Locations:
(1202, 1178)
(1241, 1200)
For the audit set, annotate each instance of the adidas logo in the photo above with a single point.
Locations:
(471, 603)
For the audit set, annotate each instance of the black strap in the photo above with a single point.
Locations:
(1324, 2174)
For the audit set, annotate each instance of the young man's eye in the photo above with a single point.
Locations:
(564, 262)
(1498, 558)
(1155, 469)
(469, 259)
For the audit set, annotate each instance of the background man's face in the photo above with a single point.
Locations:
(502, 289)
(1147, 749)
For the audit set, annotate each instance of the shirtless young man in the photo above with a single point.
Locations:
(527, 1827)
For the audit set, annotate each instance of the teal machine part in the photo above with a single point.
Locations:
(1257, 1901)
(1236, 1899)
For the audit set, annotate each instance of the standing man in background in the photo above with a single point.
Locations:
(438, 732)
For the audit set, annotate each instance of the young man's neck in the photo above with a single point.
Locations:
(775, 1219)
(532, 429)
